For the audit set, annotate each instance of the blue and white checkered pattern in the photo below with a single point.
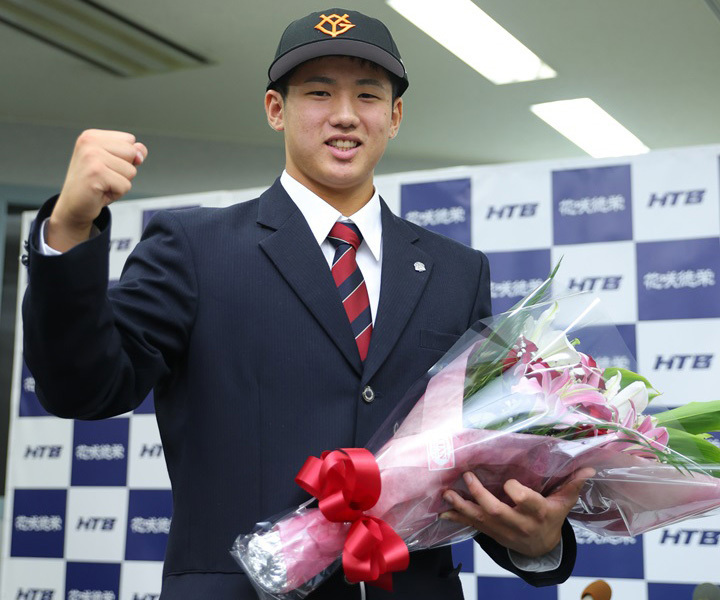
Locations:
(643, 234)
(88, 504)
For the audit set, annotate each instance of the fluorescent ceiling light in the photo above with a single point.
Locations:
(474, 38)
(97, 35)
(587, 125)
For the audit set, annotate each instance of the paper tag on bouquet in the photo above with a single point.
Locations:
(440, 453)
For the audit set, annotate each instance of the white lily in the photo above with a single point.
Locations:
(612, 386)
(553, 346)
(633, 397)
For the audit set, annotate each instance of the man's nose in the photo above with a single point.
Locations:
(344, 112)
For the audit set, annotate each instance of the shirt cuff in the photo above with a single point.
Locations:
(44, 248)
(540, 564)
(49, 251)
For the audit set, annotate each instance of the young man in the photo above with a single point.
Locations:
(235, 318)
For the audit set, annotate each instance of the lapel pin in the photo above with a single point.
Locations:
(419, 267)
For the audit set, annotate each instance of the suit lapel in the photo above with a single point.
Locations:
(400, 290)
(295, 253)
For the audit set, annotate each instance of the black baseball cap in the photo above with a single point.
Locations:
(337, 31)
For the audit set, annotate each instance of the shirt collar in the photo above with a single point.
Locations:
(321, 217)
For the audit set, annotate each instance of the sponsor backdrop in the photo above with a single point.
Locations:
(88, 505)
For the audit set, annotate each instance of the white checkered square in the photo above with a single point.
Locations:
(146, 461)
(684, 552)
(674, 200)
(681, 359)
(140, 580)
(606, 270)
(33, 579)
(40, 453)
(96, 524)
(512, 208)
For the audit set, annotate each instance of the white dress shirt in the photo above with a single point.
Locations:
(321, 217)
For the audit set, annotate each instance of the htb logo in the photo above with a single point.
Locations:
(589, 284)
(95, 523)
(675, 198)
(685, 537)
(151, 451)
(34, 594)
(508, 211)
(43, 451)
(683, 361)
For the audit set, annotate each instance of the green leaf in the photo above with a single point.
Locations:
(627, 377)
(693, 417)
(693, 447)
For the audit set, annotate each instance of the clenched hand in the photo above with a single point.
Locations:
(101, 170)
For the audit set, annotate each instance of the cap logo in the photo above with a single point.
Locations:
(339, 24)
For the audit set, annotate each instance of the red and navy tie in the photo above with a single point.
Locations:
(346, 238)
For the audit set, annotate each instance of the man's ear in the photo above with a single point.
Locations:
(396, 117)
(275, 110)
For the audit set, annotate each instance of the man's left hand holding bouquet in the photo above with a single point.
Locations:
(532, 527)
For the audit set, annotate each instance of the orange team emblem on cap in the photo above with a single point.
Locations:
(334, 21)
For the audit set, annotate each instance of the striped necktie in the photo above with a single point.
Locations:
(346, 238)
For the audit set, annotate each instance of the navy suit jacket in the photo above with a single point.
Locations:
(232, 316)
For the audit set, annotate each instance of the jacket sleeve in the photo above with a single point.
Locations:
(539, 579)
(483, 301)
(95, 353)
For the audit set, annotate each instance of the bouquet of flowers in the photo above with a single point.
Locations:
(517, 397)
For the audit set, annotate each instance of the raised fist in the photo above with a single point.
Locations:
(101, 170)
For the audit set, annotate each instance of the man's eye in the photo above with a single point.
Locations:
(318, 93)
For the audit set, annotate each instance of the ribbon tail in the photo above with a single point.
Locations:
(308, 477)
(384, 582)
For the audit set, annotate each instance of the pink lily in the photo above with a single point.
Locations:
(588, 372)
(656, 437)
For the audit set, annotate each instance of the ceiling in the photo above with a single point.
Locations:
(653, 64)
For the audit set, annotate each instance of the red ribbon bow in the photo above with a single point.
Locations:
(372, 551)
(346, 483)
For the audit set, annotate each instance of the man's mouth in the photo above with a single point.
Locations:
(343, 144)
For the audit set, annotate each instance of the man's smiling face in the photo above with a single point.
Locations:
(337, 116)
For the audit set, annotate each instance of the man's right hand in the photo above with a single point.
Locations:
(101, 170)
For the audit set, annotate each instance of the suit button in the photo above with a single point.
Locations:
(368, 395)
